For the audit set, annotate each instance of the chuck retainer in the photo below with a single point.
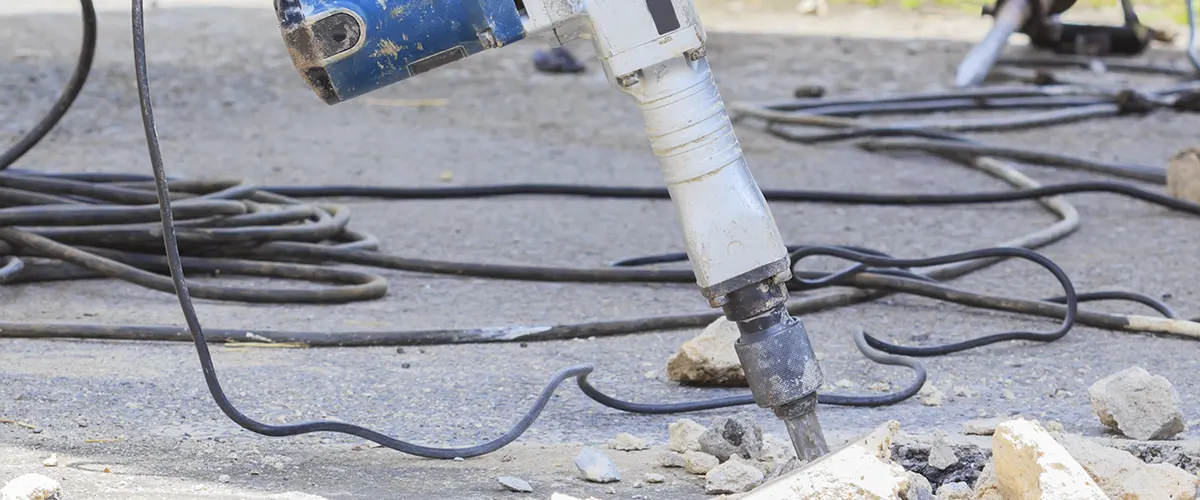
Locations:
(779, 361)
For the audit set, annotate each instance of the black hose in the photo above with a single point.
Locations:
(102, 225)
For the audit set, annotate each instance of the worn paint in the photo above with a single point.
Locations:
(387, 48)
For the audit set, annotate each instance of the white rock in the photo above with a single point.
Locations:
(31, 487)
(653, 478)
(954, 491)
(516, 484)
(52, 461)
(1123, 476)
(224, 478)
(670, 459)
(941, 454)
(1031, 465)
(685, 435)
(698, 462)
(930, 395)
(1137, 404)
(709, 359)
(596, 467)
(627, 442)
(734, 476)
(776, 450)
(862, 470)
(1183, 175)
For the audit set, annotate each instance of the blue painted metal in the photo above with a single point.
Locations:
(400, 38)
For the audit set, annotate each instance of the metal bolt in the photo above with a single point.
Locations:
(488, 39)
(630, 79)
(695, 54)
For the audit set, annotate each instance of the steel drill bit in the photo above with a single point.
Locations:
(979, 61)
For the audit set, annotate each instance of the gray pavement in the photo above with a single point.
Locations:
(230, 105)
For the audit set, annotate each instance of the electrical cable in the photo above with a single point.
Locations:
(103, 225)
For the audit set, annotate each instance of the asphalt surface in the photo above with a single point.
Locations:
(230, 105)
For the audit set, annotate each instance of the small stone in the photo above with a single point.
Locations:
(954, 491)
(785, 468)
(456, 459)
(844, 384)
(1183, 175)
(698, 462)
(594, 466)
(963, 391)
(223, 478)
(1030, 464)
(654, 478)
(1054, 426)
(627, 442)
(52, 461)
(982, 427)
(1124, 476)
(918, 488)
(516, 484)
(31, 487)
(734, 476)
(941, 455)
(685, 435)
(1007, 394)
(930, 395)
(1137, 404)
(880, 387)
(709, 358)
(738, 435)
(82, 422)
(637, 484)
(1062, 394)
(507, 457)
(862, 470)
(670, 459)
(776, 449)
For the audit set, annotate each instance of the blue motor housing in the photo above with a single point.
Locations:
(347, 48)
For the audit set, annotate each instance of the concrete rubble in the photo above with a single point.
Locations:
(1183, 175)
(516, 484)
(1029, 464)
(1123, 476)
(596, 467)
(684, 435)
(654, 478)
(954, 491)
(982, 426)
(709, 358)
(31, 487)
(627, 442)
(698, 462)
(1138, 405)
(733, 476)
(738, 435)
(861, 470)
(670, 459)
(941, 454)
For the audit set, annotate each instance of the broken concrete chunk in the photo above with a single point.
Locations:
(31, 487)
(987, 486)
(52, 461)
(698, 462)
(941, 454)
(653, 478)
(670, 459)
(1030, 464)
(627, 442)
(918, 488)
(685, 435)
(954, 491)
(738, 435)
(930, 395)
(1123, 476)
(861, 470)
(596, 467)
(776, 449)
(734, 476)
(1183, 175)
(785, 468)
(709, 359)
(1137, 404)
(515, 484)
(982, 426)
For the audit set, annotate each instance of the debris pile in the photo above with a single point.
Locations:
(31, 487)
